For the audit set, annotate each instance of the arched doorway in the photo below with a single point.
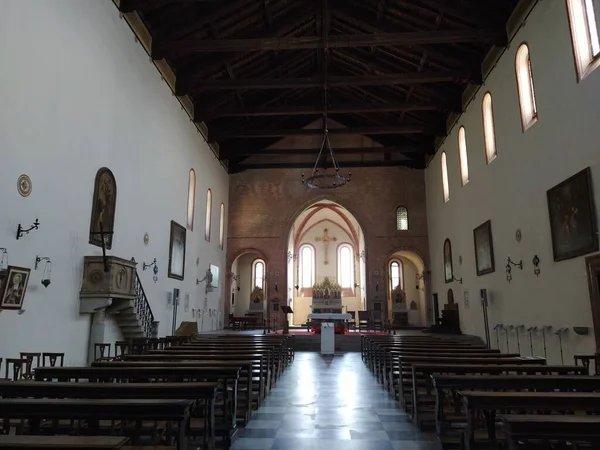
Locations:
(407, 304)
(248, 278)
(325, 241)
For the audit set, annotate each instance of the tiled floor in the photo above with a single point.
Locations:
(330, 404)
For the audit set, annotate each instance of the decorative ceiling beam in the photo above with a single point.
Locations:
(223, 135)
(185, 86)
(227, 153)
(236, 168)
(303, 110)
(494, 36)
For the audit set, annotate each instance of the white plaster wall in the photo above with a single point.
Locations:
(511, 191)
(78, 93)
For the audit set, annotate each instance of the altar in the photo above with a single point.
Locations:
(326, 298)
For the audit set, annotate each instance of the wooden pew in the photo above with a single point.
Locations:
(124, 372)
(450, 424)
(565, 429)
(201, 393)
(94, 410)
(254, 381)
(62, 442)
(487, 403)
(215, 355)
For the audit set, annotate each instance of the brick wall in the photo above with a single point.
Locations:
(265, 203)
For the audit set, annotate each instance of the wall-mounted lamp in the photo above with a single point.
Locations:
(536, 265)
(457, 279)
(276, 287)
(356, 285)
(21, 231)
(47, 269)
(3, 259)
(155, 269)
(377, 287)
(509, 264)
(297, 287)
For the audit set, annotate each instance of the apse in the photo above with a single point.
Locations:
(325, 242)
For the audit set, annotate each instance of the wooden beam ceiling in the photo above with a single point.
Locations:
(227, 153)
(492, 36)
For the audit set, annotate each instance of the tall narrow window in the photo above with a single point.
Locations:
(462, 153)
(208, 214)
(307, 267)
(445, 186)
(222, 226)
(584, 33)
(396, 275)
(258, 274)
(345, 266)
(489, 129)
(401, 218)
(525, 86)
(191, 199)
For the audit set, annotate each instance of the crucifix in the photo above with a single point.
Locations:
(104, 237)
(326, 239)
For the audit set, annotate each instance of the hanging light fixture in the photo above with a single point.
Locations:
(317, 179)
(325, 180)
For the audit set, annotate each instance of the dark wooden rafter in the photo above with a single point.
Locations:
(494, 36)
(184, 87)
(223, 135)
(301, 110)
(257, 72)
(226, 153)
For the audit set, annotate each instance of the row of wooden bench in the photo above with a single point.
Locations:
(194, 388)
(466, 392)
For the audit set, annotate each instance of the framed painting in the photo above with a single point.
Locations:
(103, 208)
(573, 217)
(15, 287)
(484, 249)
(215, 275)
(177, 251)
(448, 269)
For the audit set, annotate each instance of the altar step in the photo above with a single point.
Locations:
(312, 343)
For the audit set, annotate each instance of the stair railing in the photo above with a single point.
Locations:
(143, 310)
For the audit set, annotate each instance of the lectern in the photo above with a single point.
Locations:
(286, 323)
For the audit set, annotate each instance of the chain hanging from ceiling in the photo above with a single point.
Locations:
(325, 179)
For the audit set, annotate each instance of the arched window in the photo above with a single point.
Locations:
(396, 272)
(462, 153)
(345, 266)
(191, 199)
(525, 87)
(401, 218)
(222, 226)
(258, 274)
(307, 266)
(489, 129)
(208, 214)
(445, 186)
(584, 34)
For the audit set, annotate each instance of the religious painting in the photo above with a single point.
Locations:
(177, 251)
(573, 217)
(215, 275)
(15, 286)
(484, 249)
(448, 269)
(103, 208)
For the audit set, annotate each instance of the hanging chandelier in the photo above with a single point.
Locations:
(318, 180)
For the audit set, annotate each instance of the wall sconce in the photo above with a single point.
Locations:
(297, 287)
(3, 259)
(47, 269)
(21, 231)
(509, 264)
(377, 287)
(536, 265)
(155, 269)
(276, 287)
(356, 285)
(457, 279)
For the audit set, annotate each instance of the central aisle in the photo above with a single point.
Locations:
(330, 404)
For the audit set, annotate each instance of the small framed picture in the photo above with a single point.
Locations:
(14, 290)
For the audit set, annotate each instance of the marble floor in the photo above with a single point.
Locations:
(330, 404)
